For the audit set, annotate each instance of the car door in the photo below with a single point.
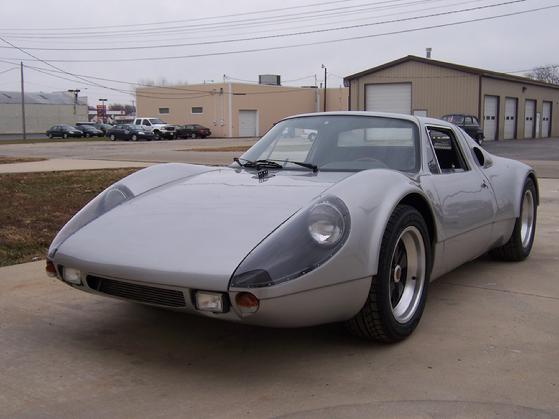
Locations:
(466, 203)
(146, 125)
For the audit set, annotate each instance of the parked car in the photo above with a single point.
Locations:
(130, 132)
(468, 123)
(157, 126)
(63, 131)
(90, 131)
(350, 227)
(193, 131)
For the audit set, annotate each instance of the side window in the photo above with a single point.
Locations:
(468, 120)
(474, 119)
(447, 150)
(146, 123)
(138, 122)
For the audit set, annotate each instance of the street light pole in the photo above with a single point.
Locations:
(75, 92)
(325, 81)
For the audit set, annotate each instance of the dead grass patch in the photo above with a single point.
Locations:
(10, 160)
(241, 148)
(35, 206)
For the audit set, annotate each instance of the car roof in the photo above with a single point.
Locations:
(412, 118)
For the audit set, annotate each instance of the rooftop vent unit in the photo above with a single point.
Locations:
(270, 79)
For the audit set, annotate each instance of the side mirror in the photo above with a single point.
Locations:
(479, 156)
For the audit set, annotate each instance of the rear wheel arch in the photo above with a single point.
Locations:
(532, 176)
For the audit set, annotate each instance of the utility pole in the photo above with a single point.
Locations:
(23, 103)
(325, 77)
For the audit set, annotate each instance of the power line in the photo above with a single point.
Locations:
(8, 70)
(276, 36)
(222, 26)
(243, 22)
(185, 20)
(282, 47)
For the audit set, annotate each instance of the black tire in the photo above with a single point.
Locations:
(112, 137)
(193, 135)
(479, 139)
(64, 136)
(377, 319)
(86, 135)
(520, 243)
(134, 137)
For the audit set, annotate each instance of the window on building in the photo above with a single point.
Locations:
(197, 109)
(163, 110)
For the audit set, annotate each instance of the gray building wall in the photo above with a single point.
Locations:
(38, 117)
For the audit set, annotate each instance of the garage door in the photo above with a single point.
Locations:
(546, 119)
(394, 97)
(529, 117)
(248, 123)
(510, 118)
(490, 114)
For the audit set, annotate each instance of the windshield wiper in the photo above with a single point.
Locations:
(273, 164)
(258, 164)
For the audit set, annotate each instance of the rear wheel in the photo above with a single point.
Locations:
(64, 135)
(50, 136)
(520, 243)
(399, 290)
(193, 135)
(112, 137)
(134, 137)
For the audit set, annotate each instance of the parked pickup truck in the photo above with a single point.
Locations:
(157, 126)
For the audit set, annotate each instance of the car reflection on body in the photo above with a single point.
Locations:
(349, 227)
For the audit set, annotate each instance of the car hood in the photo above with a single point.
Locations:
(193, 232)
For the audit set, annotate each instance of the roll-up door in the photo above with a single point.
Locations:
(529, 117)
(490, 117)
(546, 119)
(394, 97)
(510, 118)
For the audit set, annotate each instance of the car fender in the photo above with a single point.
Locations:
(371, 197)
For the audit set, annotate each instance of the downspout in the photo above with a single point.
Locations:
(230, 111)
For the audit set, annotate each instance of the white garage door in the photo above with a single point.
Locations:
(510, 118)
(529, 116)
(490, 110)
(394, 97)
(546, 119)
(248, 123)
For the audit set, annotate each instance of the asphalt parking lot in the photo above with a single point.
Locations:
(487, 346)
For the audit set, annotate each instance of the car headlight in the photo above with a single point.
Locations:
(103, 203)
(141, 132)
(300, 245)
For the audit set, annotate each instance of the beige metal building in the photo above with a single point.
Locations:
(507, 106)
(234, 109)
(42, 110)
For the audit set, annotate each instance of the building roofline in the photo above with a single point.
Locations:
(452, 66)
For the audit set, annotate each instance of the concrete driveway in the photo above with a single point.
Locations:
(488, 346)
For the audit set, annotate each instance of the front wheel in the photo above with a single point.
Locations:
(50, 136)
(399, 290)
(64, 136)
(134, 137)
(112, 137)
(193, 135)
(520, 243)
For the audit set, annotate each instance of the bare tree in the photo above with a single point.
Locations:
(547, 73)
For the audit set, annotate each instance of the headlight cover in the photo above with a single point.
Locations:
(299, 246)
(104, 202)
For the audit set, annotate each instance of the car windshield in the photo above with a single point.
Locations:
(155, 121)
(341, 143)
(455, 119)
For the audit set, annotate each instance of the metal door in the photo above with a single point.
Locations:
(490, 117)
(546, 119)
(510, 118)
(248, 120)
(529, 117)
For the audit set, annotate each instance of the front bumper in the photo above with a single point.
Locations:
(308, 308)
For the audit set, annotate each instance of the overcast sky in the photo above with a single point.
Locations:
(505, 44)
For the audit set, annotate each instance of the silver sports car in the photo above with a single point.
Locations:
(330, 217)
